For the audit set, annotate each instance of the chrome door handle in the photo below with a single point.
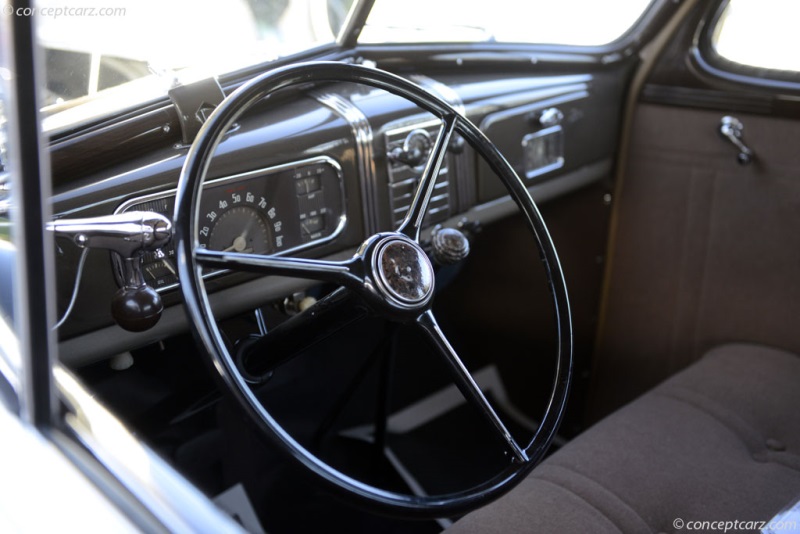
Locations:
(731, 129)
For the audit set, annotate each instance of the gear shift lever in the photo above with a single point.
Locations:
(135, 306)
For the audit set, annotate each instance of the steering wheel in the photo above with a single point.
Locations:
(373, 277)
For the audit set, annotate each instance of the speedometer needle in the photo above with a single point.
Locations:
(239, 244)
(244, 250)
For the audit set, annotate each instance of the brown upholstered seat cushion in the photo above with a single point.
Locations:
(718, 441)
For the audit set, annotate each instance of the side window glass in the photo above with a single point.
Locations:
(759, 33)
(9, 350)
(7, 264)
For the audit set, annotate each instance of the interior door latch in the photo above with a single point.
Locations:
(731, 129)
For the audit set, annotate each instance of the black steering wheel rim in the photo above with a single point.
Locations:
(201, 318)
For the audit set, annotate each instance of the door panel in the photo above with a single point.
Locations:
(705, 251)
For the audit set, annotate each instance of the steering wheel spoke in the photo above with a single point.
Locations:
(345, 273)
(466, 384)
(412, 223)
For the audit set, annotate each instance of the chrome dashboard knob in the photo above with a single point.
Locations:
(415, 150)
(550, 117)
(450, 246)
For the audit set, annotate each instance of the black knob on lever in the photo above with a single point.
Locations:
(136, 307)
(744, 158)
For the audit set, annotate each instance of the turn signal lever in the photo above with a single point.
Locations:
(135, 306)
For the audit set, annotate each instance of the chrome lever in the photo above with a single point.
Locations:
(731, 129)
(135, 306)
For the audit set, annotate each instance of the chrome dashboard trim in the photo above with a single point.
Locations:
(445, 92)
(401, 128)
(568, 94)
(463, 173)
(362, 132)
(340, 226)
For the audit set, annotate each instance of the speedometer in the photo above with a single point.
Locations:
(239, 221)
(240, 229)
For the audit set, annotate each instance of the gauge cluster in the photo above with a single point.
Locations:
(276, 211)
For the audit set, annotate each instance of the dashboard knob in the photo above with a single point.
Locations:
(550, 117)
(136, 306)
(415, 150)
(450, 246)
(136, 309)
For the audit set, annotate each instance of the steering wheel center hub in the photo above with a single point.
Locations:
(404, 274)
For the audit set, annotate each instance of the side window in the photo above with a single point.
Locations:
(760, 34)
(7, 265)
(9, 351)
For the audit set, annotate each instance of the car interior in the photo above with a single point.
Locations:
(427, 281)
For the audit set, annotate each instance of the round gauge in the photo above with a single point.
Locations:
(160, 273)
(417, 146)
(239, 229)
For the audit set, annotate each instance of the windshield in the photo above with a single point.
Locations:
(103, 58)
(564, 22)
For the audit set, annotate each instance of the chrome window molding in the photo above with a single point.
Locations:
(10, 366)
(166, 495)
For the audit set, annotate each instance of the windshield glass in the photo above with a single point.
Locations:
(564, 22)
(115, 54)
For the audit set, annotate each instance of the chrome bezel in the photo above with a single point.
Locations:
(557, 163)
(340, 226)
(386, 290)
(363, 137)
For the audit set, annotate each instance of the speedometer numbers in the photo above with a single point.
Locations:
(270, 211)
(242, 223)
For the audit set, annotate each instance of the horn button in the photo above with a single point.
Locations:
(404, 274)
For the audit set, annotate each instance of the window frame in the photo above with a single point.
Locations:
(29, 184)
(707, 60)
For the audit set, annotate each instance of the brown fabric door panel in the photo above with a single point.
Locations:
(706, 251)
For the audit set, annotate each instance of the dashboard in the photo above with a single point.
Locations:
(315, 173)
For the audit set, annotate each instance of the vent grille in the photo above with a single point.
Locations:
(404, 179)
